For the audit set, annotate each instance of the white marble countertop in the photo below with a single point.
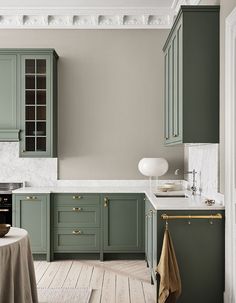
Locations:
(191, 203)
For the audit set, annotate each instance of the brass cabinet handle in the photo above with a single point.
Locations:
(106, 200)
(31, 198)
(76, 232)
(77, 197)
(175, 135)
(77, 209)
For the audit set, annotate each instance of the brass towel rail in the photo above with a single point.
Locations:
(190, 217)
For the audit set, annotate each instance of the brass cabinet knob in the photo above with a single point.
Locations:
(76, 232)
(175, 135)
(77, 209)
(77, 197)
(106, 200)
(31, 198)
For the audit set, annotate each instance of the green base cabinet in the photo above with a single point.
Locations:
(32, 212)
(199, 249)
(123, 223)
(191, 60)
(76, 223)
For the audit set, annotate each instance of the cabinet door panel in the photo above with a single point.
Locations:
(83, 216)
(199, 249)
(32, 215)
(76, 240)
(8, 102)
(123, 223)
(35, 105)
(166, 98)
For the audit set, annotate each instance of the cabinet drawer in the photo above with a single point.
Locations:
(76, 199)
(81, 215)
(76, 239)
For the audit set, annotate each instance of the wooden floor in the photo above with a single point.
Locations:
(111, 281)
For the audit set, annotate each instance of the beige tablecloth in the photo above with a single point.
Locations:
(17, 276)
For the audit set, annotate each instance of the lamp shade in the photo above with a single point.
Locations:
(153, 166)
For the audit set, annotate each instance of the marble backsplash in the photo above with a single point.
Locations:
(204, 159)
(32, 171)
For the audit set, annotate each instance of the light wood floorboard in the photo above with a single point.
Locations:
(111, 281)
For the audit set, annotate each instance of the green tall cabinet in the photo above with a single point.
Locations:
(38, 114)
(32, 212)
(123, 223)
(28, 100)
(191, 62)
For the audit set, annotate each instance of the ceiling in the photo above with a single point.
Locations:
(90, 14)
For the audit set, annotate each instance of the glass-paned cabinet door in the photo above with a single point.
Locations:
(35, 105)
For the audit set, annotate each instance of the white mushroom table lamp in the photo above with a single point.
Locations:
(153, 167)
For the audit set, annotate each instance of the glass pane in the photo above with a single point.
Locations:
(30, 82)
(29, 97)
(41, 82)
(41, 113)
(41, 128)
(30, 144)
(41, 66)
(30, 113)
(41, 97)
(30, 66)
(30, 128)
(41, 144)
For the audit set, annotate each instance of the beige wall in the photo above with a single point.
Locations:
(110, 99)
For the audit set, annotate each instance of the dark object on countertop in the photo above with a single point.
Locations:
(4, 229)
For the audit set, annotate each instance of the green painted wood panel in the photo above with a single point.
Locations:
(199, 249)
(9, 135)
(76, 199)
(76, 239)
(148, 233)
(154, 244)
(192, 77)
(33, 214)
(82, 215)
(151, 238)
(8, 98)
(123, 223)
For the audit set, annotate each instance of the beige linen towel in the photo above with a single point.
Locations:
(170, 282)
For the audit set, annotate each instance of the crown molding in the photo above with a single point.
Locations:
(177, 3)
(86, 18)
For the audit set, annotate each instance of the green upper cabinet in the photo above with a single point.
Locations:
(38, 110)
(191, 62)
(28, 100)
(123, 223)
(8, 98)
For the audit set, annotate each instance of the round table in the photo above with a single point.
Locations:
(17, 276)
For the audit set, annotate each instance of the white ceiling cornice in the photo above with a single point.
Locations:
(90, 17)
